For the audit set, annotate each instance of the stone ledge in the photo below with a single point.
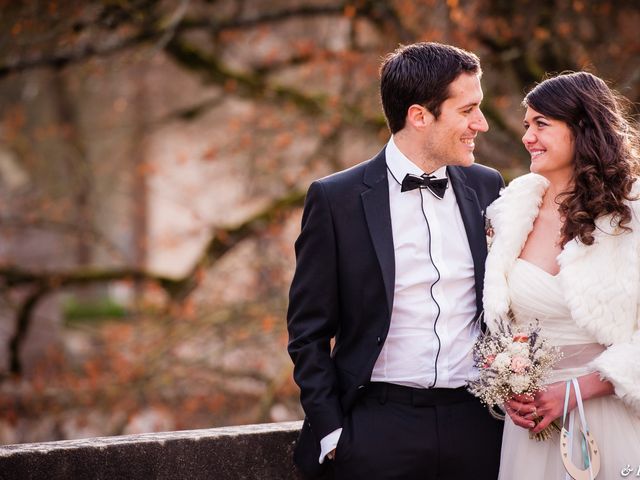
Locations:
(242, 452)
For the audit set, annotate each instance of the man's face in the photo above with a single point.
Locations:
(450, 140)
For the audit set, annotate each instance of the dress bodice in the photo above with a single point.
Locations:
(536, 295)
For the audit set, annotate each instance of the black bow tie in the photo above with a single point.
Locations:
(437, 186)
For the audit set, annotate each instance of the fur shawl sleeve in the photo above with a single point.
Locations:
(620, 364)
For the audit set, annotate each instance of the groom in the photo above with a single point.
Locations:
(390, 263)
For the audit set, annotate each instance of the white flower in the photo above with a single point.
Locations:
(502, 361)
(539, 354)
(519, 383)
(519, 349)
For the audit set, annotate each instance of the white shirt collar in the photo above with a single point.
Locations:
(400, 165)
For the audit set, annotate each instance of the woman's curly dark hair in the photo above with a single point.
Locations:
(606, 150)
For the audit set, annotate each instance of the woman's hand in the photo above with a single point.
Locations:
(549, 403)
(521, 410)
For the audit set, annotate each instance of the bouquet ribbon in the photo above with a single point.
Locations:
(589, 448)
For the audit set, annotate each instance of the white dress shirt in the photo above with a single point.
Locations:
(434, 302)
(432, 329)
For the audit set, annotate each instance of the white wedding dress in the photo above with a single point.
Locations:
(536, 294)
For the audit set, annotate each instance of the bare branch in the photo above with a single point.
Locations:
(216, 26)
(148, 33)
(172, 26)
(64, 228)
(23, 319)
(224, 240)
(46, 281)
(256, 86)
(61, 60)
(14, 276)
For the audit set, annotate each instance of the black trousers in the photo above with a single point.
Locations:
(396, 432)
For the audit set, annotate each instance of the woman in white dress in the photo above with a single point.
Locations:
(566, 252)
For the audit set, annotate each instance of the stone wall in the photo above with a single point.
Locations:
(243, 452)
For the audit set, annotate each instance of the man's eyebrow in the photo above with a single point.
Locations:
(470, 104)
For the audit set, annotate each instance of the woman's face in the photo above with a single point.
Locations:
(550, 144)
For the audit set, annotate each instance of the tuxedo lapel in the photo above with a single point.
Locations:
(473, 219)
(375, 201)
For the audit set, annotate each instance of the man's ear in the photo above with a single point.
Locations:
(419, 117)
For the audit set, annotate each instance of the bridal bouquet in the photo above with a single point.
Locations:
(512, 360)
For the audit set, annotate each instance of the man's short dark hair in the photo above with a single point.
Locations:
(420, 74)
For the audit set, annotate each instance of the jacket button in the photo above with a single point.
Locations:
(379, 341)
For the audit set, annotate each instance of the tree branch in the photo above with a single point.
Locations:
(216, 26)
(224, 240)
(257, 87)
(63, 228)
(23, 319)
(156, 33)
(46, 281)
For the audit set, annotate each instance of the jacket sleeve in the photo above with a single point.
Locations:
(620, 364)
(312, 317)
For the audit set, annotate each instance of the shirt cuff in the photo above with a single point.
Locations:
(328, 443)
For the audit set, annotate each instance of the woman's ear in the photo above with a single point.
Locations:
(419, 117)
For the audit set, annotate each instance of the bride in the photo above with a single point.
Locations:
(566, 252)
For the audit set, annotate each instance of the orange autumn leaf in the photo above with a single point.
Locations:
(541, 33)
(283, 140)
(349, 11)
(242, 334)
(304, 47)
(145, 168)
(268, 323)
(188, 310)
(200, 275)
(210, 154)
(230, 85)
(216, 402)
(564, 29)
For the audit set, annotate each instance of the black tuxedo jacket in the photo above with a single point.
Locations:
(344, 283)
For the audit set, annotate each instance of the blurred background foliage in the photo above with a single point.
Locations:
(153, 161)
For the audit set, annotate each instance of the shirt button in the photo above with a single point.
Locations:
(379, 340)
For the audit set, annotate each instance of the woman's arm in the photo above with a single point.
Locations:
(620, 364)
(548, 404)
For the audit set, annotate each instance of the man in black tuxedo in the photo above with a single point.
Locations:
(390, 264)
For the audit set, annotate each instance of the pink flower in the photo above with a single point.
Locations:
(489, 360)
(520, 364)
